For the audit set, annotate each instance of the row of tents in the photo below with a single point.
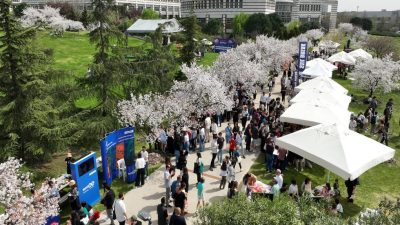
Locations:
(319, 67)
(322, 105)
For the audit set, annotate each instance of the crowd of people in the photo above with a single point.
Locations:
(250, 127)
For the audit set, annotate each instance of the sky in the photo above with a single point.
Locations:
(368, 5)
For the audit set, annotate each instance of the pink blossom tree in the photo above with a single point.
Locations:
(21, 208)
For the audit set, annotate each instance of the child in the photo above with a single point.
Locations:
(237, 159)
(336, 190)
(200, 192)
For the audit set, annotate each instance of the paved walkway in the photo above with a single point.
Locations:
(147, 198)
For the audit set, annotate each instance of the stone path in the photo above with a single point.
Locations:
(147, 197)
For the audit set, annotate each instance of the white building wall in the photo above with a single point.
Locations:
(205, 9)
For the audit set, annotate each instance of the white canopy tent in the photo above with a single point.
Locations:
(318, 70)
(314, 112)
(334, 98)
(360, 53)
(342, 57)
(338, 149)
(328, 44)
(319, 61)
(142, 26)
(323, 84)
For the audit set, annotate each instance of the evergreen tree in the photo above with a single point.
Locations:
(84, 18)
(190, 33)
(31, 124)
(104, 75)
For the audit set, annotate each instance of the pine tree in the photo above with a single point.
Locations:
(103, 79)
(31, 124)
(85, 18)
(191, 31)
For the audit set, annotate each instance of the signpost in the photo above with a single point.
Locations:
(84, 172)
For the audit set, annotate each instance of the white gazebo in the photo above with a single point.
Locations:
(323, 84)
(318, 70)
(342, 57)
(334, 98)
(360, 53)
(315, 112)
(142, 26)
(323, 63)
(338, 149)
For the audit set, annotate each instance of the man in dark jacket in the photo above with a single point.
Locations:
(177, 218)
(108, 202)
(162, 212)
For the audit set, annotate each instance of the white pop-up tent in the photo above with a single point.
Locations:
(334, 98)
(323, 84)
(318, 70)
(315, 112)
(360, 53)
(342, 57)
(338, 149)
(319, 61)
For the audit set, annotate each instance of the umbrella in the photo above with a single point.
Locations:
(359, 53)
(323, 84)
(333, 98)
(315, 112)
(318, 70)
(319, 61)
(338, 149)
(342, 57)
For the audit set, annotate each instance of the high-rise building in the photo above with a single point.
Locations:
(166, 8)
(225, 10)
(318, 11)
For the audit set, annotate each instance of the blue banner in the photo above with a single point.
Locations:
(223, 44)
(302, 56)
(118, 145)
(84, 172)
(53, 220)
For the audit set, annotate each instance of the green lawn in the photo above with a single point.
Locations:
(208, 59)
(377, 183)
(73, 52)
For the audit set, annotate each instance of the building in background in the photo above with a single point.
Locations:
(381, 20)
(323, 12)
(166, 8)
(225, 10)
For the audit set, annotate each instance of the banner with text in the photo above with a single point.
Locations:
(302, 56)
(115, 146)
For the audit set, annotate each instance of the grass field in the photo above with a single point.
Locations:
(379, 182)
(73, 52)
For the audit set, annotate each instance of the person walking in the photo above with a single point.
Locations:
(220, 142)
(175, 185)
(223, 174)
(200, 192)
(200, 165)
(177, 218)
(167, 183)
(145, 156)
(228, 133)
(239, 143)
(185, 179)
(244, 116)
(140, 170)
(214, 152)
(202, 138)
(232, 146)
(162, 212)
(120, 209)
(236, 159)
(108, 201)
(207, 127)
(180, 197)
(68, 161)
(247, 133)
